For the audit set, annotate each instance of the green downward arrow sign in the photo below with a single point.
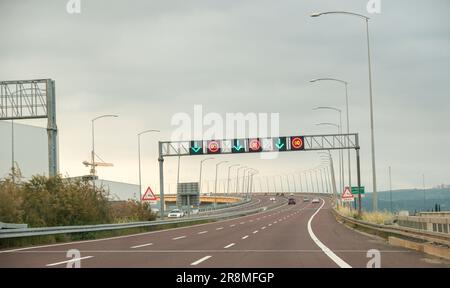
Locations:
(196, 148)
(279, 144)
(238, 146)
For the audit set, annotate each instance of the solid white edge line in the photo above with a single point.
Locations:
(245, 237)
(341, 263)
(67, 261)
(200, 260)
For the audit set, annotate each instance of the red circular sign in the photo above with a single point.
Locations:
(297, 143)
(213, 146)
(255, 144)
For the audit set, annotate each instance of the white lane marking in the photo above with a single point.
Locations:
(256, 231)
(275, 222)
(220, 228)
(181, 237)
(200, 260)
(232, 225)
(229, 245)
(264, 227)
(341, 263)
(202, 232)
(270, 224)
(139, 246)
(115, 237)
(68, 261)
(245, 237)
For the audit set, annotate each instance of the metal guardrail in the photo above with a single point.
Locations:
(42, 231)
(12, 226)
(427, 236)
(224, 206)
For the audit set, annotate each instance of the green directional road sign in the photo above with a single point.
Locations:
(355, 190)
(279, 144)
(238, 146)
(196, 148)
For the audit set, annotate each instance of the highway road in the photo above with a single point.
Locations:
(257, 201)
(302, 235)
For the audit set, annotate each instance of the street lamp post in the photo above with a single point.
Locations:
(374, 180)
(228, 178)
(215, 182)
(341, 153)
(139, 157)
(200, 178)
(237, 178)
(300, 179)
(295, 184)
(306, 181)
(348, 121)
(312, 181)
(341, 159)
(317, 180)
(281, 183)
(251, 173)
(93, 140)
(288, 184)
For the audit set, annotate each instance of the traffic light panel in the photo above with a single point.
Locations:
(254, 145)
(297, 143)
(238, 146)
(213, 147)
(279, 144)
(196, 148)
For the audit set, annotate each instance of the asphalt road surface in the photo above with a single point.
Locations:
(301, 235)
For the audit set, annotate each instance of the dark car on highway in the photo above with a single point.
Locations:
(291, 201)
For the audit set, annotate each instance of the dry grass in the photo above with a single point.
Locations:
(380, 217)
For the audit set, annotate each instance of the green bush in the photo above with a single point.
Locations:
(131, 211)
(55, 201)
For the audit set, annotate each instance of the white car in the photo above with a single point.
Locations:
(315, 200)
(272, 199)
(176, 213)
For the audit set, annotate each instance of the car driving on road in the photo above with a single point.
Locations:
(291, 201)
(315, 200)
(176, 213)
(305, 199)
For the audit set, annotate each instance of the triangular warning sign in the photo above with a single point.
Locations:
(147, 197)
(347, 195)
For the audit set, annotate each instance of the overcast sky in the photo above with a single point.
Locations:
(147, 60)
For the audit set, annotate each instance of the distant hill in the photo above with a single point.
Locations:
(410, 199)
